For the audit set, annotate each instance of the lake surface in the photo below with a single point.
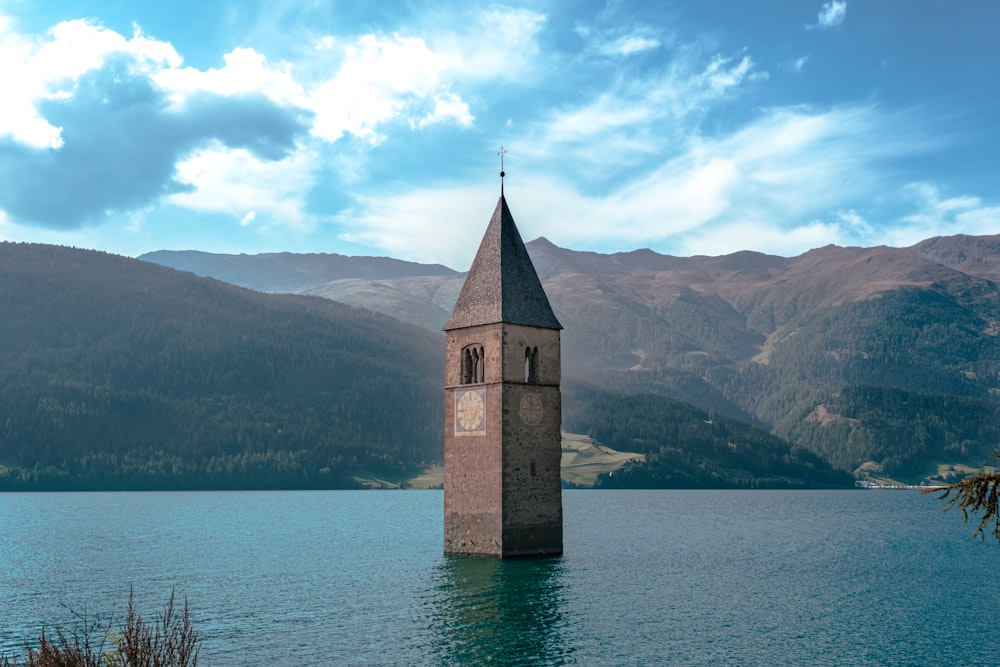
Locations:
(649, 577)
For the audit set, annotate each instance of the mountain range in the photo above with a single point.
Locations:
(740, 371)
(117, 373)
(882, 361)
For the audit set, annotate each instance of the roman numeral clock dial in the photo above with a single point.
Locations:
(470, 412)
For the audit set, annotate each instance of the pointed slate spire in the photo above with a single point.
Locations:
(502, 285)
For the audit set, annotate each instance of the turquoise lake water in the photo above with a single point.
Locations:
(648, 578)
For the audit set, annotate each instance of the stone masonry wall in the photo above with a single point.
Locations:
(532, 445)
(503, 492)
(472, 501)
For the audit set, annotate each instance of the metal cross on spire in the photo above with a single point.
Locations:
(501, 154)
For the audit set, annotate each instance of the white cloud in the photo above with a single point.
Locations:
(79, 46)
(448, 107)
(633, 121)
(720, 78)
(680, 196)
(760, 180)
(788, 158)
(776, 236)
(416, 76)
(856, 227)
(35, 69)
(606, 37)
(494, 44)
(118, 143)
(771, 178)
(629, 44)
(634, 156)
(774, 170)
(766, 185)
(429, 225)
(379, 79)
(245, 71)
(609, 112)
(234, 182)
(978, 221)
(376, 79)
(635, 44)
(22, 87)
(935, 215)
(354, 85)
(832, 14)
(761, 236)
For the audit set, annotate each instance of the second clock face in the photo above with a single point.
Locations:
(531, 409)
(470, 411)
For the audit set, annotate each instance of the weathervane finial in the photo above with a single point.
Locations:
(502, 174)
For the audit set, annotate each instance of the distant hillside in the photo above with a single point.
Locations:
(421, 294)
(834, 349)
(288, 272)
(974, 255)
(121, 374)
(116, 373)
(877, 359)
(684, 447)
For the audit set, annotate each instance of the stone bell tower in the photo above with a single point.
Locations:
(503, 412)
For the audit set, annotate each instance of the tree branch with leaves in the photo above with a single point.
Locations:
(973, 495)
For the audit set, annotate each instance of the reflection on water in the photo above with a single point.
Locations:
(506, 612)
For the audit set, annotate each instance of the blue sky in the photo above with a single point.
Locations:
(372, 128)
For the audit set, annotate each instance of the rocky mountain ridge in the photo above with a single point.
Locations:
(792, 344)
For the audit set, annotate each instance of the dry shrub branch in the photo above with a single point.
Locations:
(168, 641)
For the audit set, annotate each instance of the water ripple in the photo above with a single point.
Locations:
(679, 577)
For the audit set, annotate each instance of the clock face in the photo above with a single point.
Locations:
(531, 409)
(470, 411)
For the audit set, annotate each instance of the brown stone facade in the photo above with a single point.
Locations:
(503, 493)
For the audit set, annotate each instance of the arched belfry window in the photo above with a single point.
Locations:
(531, 364)
(473, 364)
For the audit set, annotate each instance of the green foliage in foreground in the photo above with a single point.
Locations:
(974, 495)
(686, 447)
(169, 641)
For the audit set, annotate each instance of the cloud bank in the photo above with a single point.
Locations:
(103, 136)
(621, 132)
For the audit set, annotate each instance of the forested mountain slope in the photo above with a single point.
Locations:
(877, 358)
(881, 358)
(689, 448)
(116, 373)
(120, 374)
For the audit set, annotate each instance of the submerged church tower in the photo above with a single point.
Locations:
(503, 413)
